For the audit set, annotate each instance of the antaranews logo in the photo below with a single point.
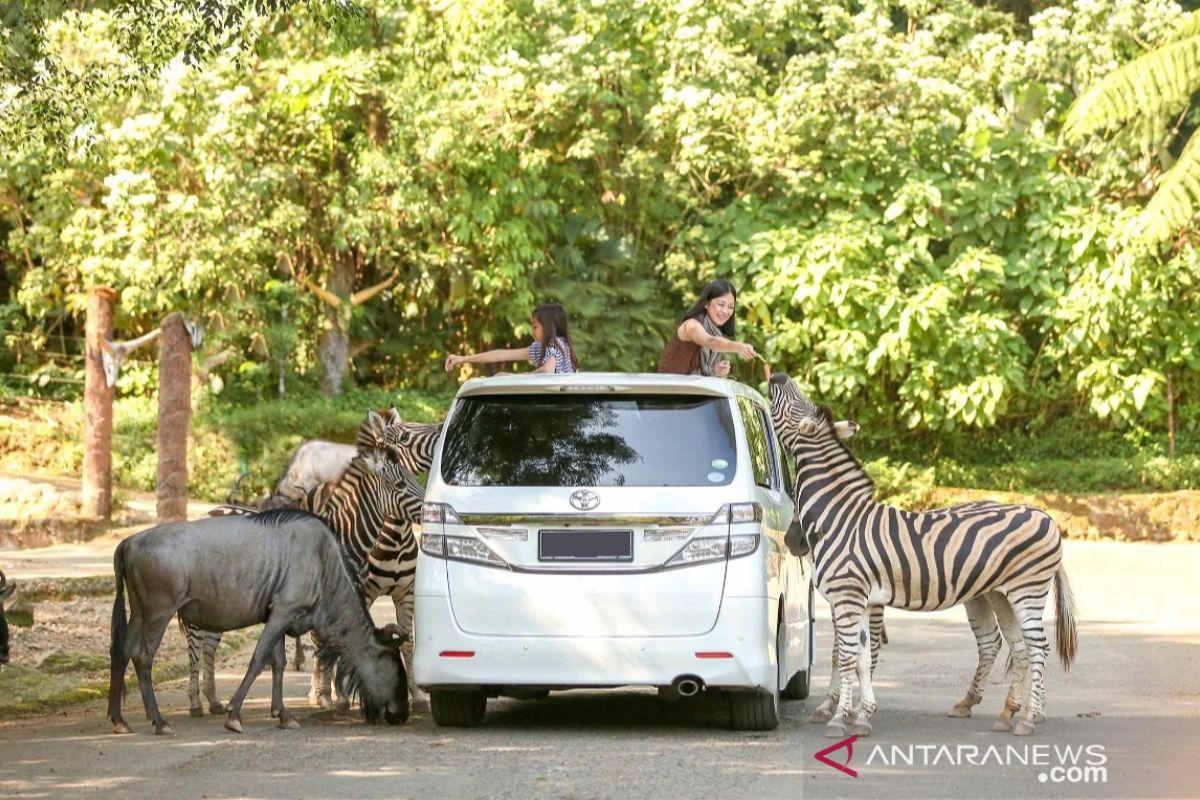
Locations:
(848, 743)
(1055, 763)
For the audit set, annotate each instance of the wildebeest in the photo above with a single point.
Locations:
(6, 591)
(220, 575)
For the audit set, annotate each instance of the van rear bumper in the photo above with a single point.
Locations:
(441, 648)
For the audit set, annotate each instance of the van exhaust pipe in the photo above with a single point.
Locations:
(683, 686)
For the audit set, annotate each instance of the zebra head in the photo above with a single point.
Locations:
(409, 443)
(794, 415)
(386, 484)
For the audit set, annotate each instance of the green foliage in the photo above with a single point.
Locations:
(884, 182)
(1148, 91)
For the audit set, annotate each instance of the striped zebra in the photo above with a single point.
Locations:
(375, 495)
(316, 461)
(998, 560)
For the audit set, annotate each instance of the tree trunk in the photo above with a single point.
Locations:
(97, 409)
(174, 418)
(334, 347)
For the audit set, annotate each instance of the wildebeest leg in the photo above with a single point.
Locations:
(271, 637)
(298, 662)
(278, 667)
(145, 647)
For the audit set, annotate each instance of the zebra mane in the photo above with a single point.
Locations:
(827, 419)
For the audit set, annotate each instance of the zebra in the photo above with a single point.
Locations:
(997, 560)
(354, 508)
(316, 461)
(381, 539)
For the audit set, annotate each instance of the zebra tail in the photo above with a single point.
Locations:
(116, 651)
(1064, 601)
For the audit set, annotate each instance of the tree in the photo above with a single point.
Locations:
(1147, 92)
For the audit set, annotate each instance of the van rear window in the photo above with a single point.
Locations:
(590, 440)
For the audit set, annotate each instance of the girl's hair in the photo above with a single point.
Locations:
(715, 289)
(553, 318)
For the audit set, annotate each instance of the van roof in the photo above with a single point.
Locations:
(604, 382)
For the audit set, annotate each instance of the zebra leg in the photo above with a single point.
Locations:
(209, 652)
(298, 662)
(866, 667)
(878, 635)
(319, 691)
(1029, 614)
(403, 600)
(194, 645)
(987, 642)
(851, 633)
(1020, 656)
(824, 712)
(278, 666)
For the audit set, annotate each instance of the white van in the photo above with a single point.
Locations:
(609, 529)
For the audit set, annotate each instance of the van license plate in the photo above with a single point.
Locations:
(585, 545)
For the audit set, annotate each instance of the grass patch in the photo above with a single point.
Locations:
(66, 679)
(42, 589)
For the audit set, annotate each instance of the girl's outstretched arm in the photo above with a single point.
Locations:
(488, 357)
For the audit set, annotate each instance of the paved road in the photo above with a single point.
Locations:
(1133, 698)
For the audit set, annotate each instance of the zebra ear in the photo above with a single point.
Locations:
(795, 540)
(845, 428)
(375, 423)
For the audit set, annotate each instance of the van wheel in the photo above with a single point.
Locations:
(797, 687)
(758, 711)
(455, 708)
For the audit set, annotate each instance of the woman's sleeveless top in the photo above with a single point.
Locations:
(680, 357)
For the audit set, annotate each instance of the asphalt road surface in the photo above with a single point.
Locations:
(1131, 706)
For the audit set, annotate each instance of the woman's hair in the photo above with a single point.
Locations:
(715, 289)
(553, 318)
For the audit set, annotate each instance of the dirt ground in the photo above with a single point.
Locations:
(1133, 697)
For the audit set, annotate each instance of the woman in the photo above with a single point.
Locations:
(706, 331)
(550, 351)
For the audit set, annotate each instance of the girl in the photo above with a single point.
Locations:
(706, 331)
(551, 350)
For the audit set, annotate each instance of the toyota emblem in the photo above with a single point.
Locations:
(585, 499)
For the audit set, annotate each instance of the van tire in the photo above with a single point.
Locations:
(457, 708)
(797, 687)
(753, 711)
(758, 710)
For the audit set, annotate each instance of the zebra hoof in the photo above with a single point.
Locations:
(343, 706)
(289, 724)
(835, 729)
(216, 708)
(196, 711)
(1002, 726)
(163, 730)
(320, 701)
(959, 711)
(822, 714)
(121, 727)
(1038, 718)
(234, 725)
(861, 728)
(1023, 728)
